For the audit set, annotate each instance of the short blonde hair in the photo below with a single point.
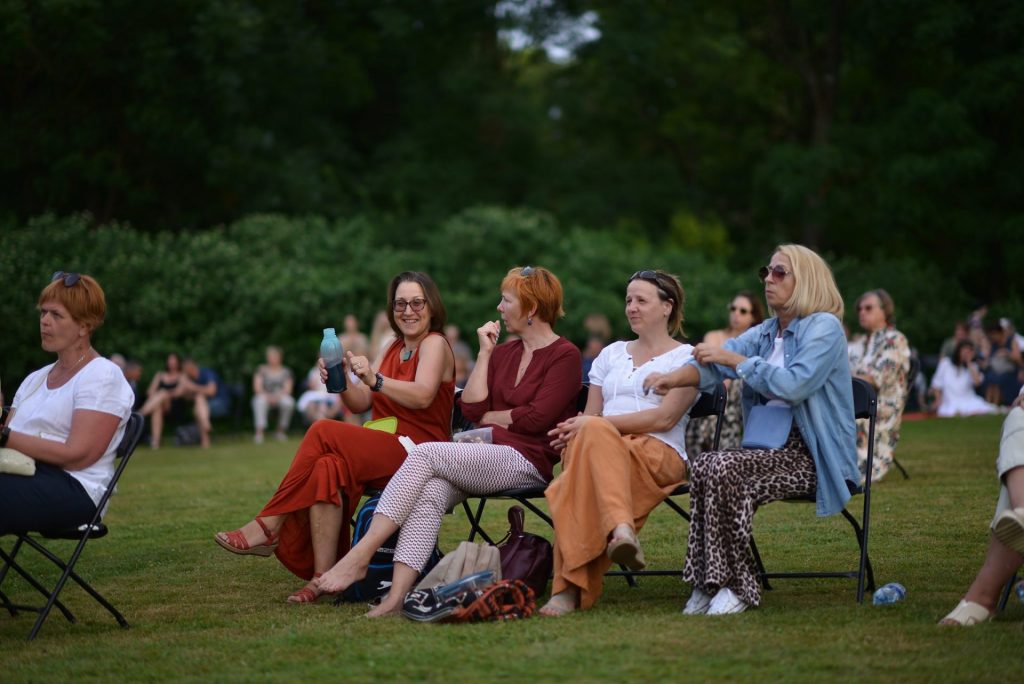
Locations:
(814, 288)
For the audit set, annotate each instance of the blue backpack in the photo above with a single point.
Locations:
(378, 575)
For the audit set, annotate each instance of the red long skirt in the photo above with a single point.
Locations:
(334, 463)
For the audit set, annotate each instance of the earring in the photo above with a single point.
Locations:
(529, 320)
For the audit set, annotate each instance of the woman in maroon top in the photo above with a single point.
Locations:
(519, 389)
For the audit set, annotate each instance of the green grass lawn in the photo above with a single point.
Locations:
(198, 613)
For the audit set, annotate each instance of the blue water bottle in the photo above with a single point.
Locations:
(894, 592)
(332, 354)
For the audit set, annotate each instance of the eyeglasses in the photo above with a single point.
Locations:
(526, 271)
(776, 272)
(415, 304)
(739, 309)
(70, 279)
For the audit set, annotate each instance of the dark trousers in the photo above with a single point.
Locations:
(49, 500)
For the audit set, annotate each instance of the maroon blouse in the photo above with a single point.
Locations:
(543, 398)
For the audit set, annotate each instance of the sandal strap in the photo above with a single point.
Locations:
(271, 537)
(236, 539)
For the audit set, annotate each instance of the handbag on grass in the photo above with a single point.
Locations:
(767, 426)
(524, 556)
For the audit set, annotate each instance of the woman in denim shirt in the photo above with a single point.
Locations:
(798, 358)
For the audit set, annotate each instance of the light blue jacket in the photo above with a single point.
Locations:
(816, 382)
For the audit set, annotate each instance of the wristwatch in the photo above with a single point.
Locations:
(5, 434)
(379, 384)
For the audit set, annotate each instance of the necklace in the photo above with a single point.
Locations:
(406, 354)
(67, 369)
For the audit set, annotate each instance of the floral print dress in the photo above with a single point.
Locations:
(883, 357)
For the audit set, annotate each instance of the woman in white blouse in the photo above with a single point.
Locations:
(68, 416)
(625, 453)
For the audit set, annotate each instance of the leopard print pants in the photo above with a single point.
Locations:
(726, 487)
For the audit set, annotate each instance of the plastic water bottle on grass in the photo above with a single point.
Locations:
(894, 592)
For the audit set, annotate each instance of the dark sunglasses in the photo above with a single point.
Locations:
(739, 309)
(777, 273)
(415, 304)
(653, 278)
(70, 279)
(526, 271)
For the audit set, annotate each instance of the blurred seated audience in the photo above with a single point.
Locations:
(1003, 365)
(316, 402)
(954, 382)
(161, 393)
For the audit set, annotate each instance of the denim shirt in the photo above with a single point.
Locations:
(816, 382)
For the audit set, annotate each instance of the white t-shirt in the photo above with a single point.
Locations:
(777, 359)
(622, 386)
(47, 413)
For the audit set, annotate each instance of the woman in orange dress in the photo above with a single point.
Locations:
(306, 521)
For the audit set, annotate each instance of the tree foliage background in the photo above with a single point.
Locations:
(238, 172)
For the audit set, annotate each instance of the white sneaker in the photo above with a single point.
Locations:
(698, 603)
(726, 603)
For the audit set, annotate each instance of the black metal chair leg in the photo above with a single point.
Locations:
(896, 462)
(25, 575)
(1007, 590)
(474, 521)
(762, 573)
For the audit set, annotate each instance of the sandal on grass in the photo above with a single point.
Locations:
(626, 551)
(235, 542)
(966, 614)
(1009, 529)
(307, 594)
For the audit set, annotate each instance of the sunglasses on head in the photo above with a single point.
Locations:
(739, 309)
(526, 271)
(653, 278)
(415, 304)
(70, 279)
(776, 273)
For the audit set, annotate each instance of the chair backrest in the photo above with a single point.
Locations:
(130, 440)
(915, 368)
(865, 399)
(710, 403)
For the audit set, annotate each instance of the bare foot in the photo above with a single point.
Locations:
(344, 574)
(386, 607)
(562, 603)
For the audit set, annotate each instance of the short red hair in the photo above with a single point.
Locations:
(84, 300)
(536, 288)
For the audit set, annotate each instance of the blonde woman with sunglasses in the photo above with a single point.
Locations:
(794, 368)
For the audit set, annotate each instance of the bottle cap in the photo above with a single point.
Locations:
(329, 332)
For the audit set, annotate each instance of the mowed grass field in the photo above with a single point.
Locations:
(198, 613)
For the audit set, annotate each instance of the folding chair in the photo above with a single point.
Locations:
(915, 368)
(522, 495)
(83, 533)
(865, 405)
(708, 404)
(1007, 591)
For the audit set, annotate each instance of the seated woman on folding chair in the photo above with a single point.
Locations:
(882, 358)
(1006, 544)
(626, 453)
(306, 522)
(521, 390)
(68, 416)
(796, 362)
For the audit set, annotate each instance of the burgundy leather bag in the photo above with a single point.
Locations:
(524, 556)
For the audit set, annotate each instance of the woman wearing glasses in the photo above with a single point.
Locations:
(882, 358)
(745, 311)
(69, 416)
(794, 367)
(625, 454)
(521, 390)
(306, 522)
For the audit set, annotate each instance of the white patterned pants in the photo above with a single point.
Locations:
(438, 475)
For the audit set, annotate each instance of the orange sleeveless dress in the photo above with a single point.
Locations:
(336, 462)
